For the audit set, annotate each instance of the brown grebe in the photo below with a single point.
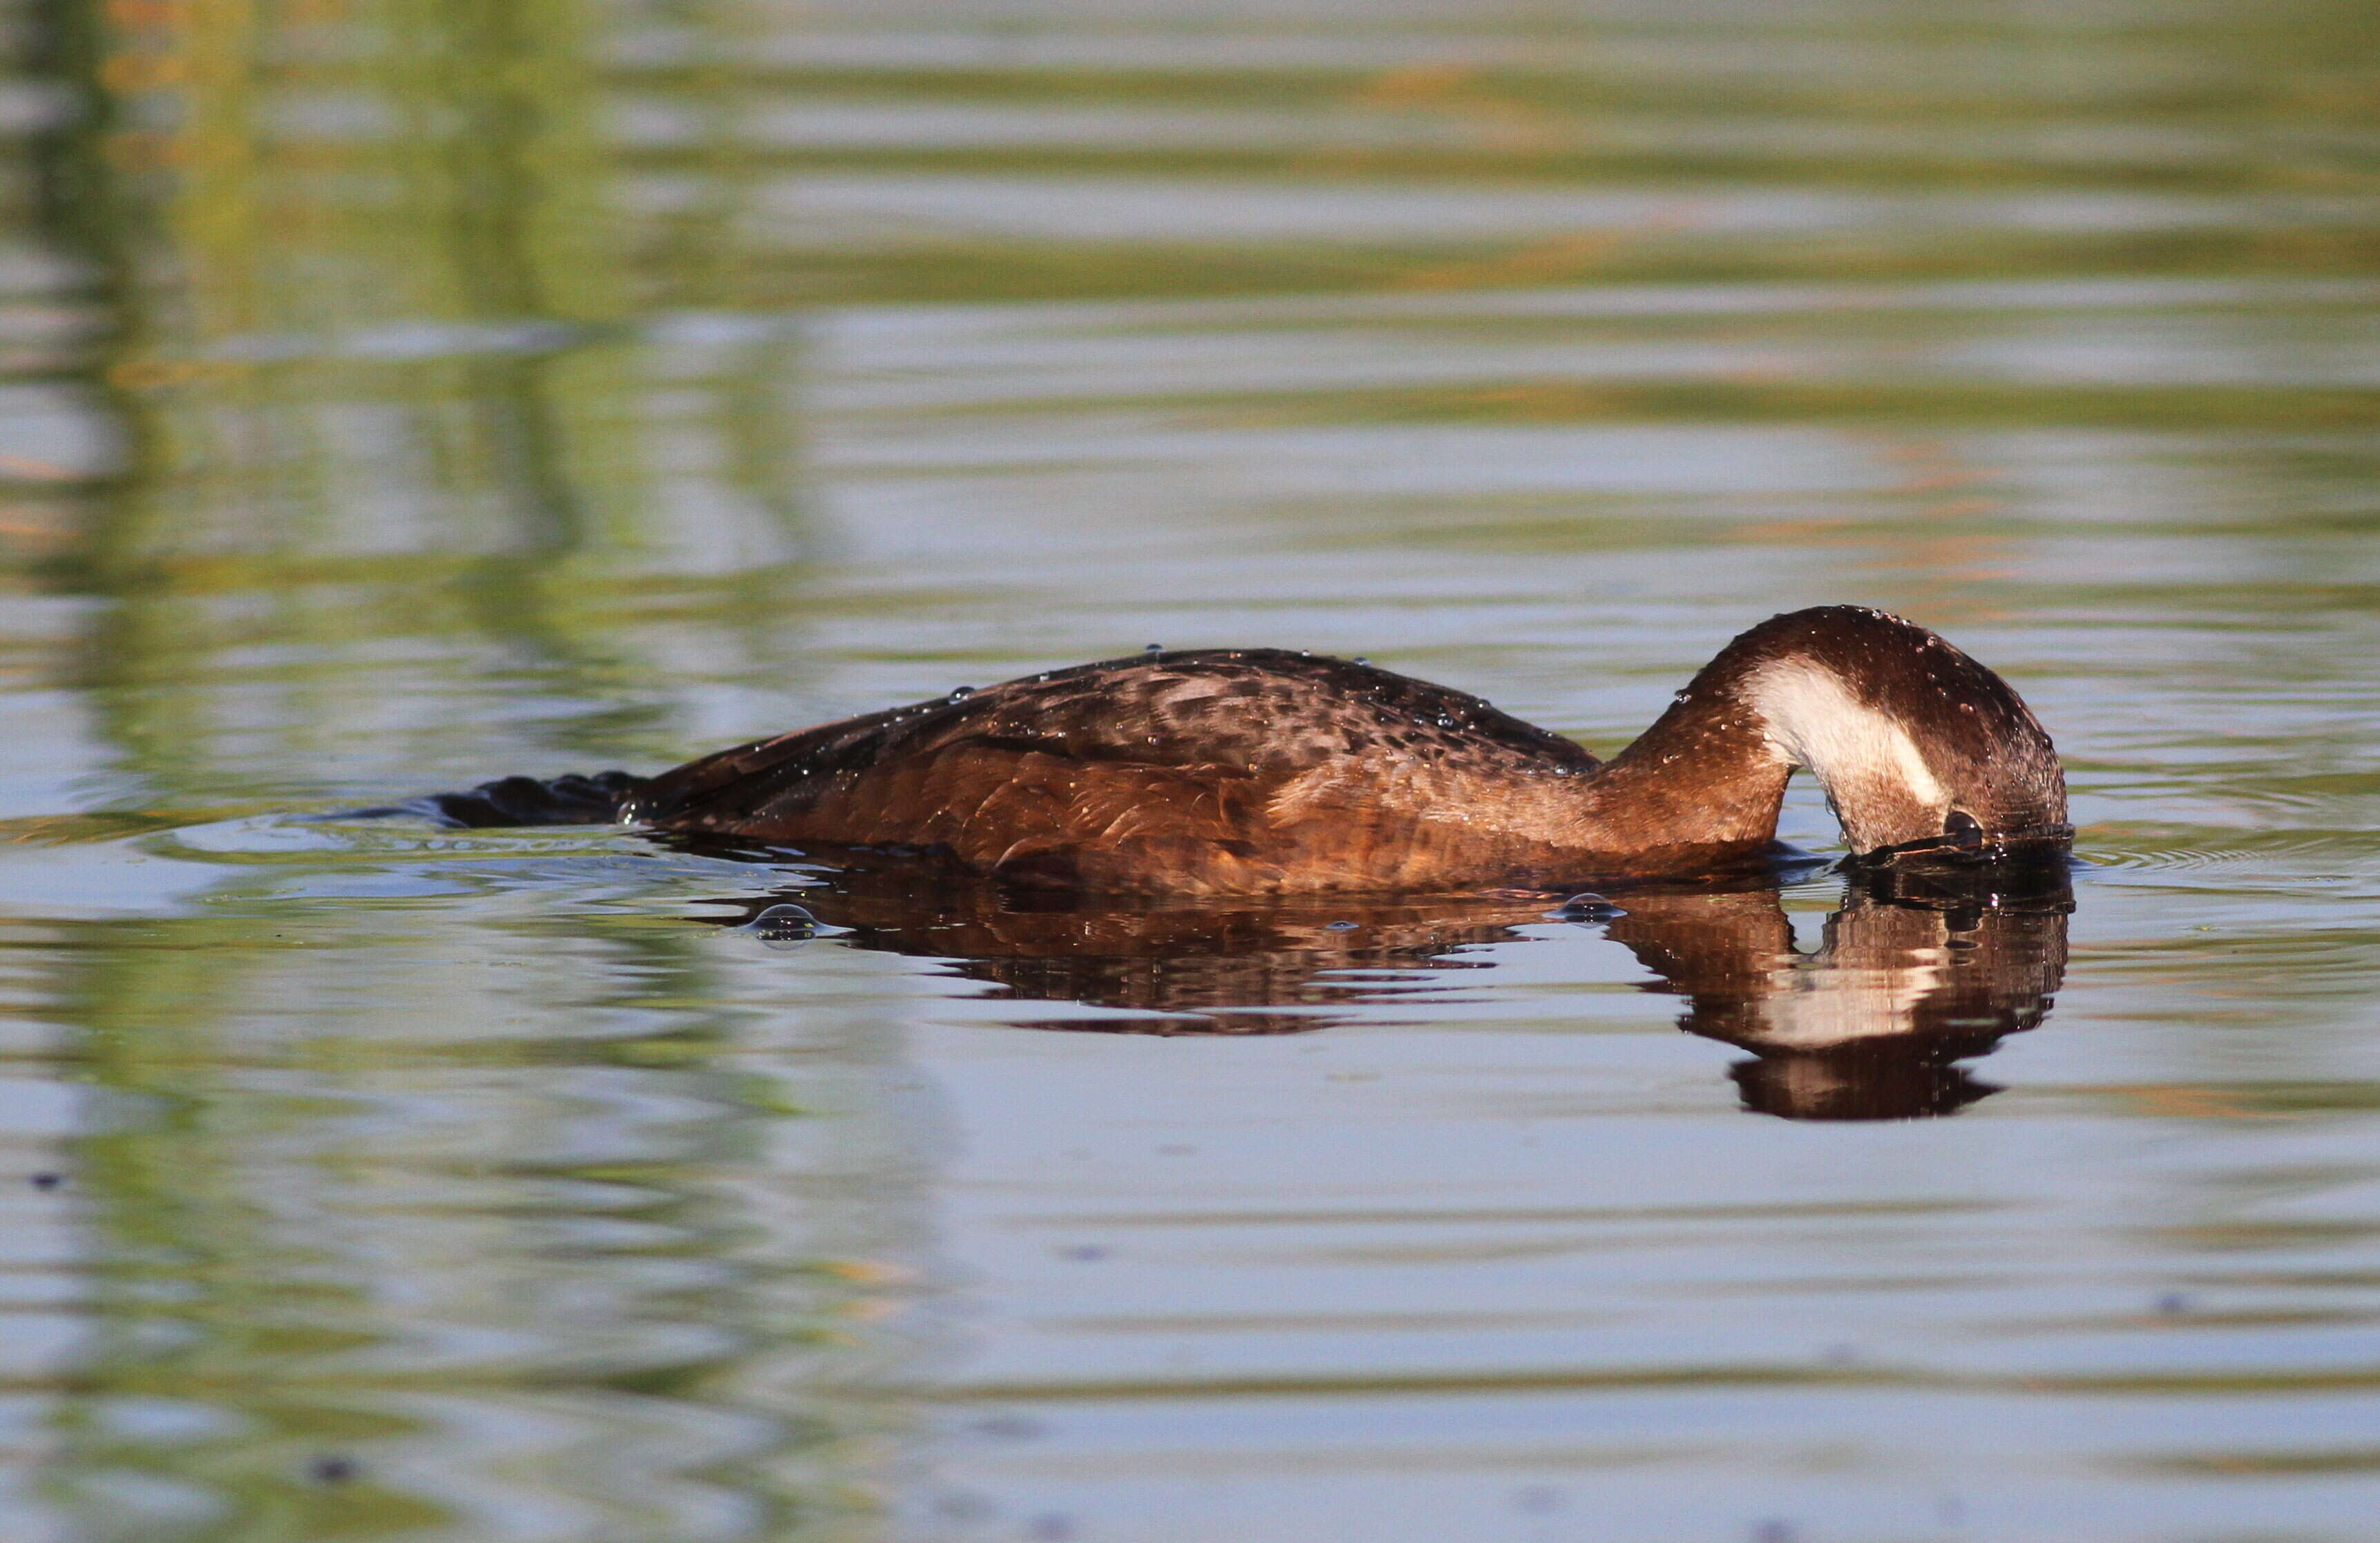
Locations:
(1262, 772)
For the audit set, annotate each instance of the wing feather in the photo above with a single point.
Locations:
(1212, 752)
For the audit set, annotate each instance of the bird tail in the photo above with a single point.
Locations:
(567, 800)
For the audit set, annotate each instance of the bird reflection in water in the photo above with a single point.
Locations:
(1916, 969)
(1915, 972)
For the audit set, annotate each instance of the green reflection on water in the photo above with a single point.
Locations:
(294, 1098)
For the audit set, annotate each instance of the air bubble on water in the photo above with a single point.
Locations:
(785, 926)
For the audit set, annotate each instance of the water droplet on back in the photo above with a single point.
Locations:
(960, 693)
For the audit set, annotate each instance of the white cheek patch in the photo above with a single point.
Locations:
(1815, 722)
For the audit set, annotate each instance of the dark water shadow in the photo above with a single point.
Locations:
(1915, 971)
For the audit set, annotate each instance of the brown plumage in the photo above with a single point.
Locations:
(1246, 772)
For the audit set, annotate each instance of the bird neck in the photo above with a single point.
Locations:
(1705, 775)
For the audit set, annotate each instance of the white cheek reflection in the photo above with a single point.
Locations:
(1811, 1006)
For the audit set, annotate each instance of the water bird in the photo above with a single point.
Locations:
(1238, 771)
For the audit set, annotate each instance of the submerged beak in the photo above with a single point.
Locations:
(1973, 844)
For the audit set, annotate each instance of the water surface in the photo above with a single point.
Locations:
(398, 395)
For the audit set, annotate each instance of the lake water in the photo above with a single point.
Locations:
(395, 393)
